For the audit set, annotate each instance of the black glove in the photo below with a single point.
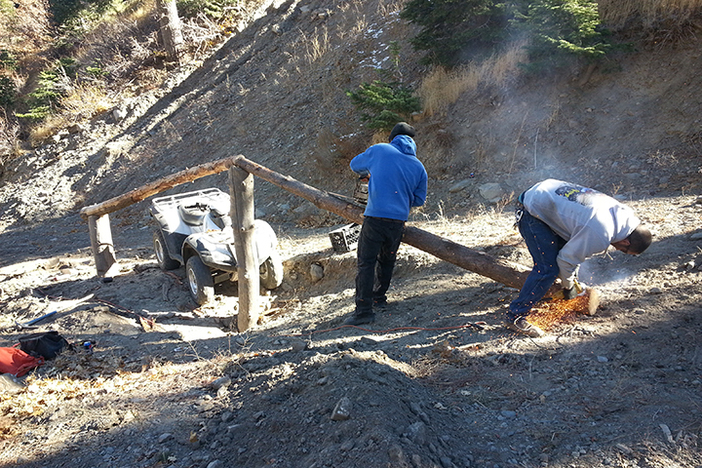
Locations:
(569, 294)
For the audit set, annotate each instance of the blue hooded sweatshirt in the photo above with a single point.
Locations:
(398, 179)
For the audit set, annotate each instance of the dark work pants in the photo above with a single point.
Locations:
(377, 250)
(543, 245)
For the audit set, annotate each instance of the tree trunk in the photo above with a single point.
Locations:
(171, 30)
(242, 213)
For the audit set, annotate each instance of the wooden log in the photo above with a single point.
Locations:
(161, 185)
(507, 273)
(101, 244)
(319, 198)
(242, 213)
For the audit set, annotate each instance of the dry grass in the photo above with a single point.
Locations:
(86, 101)
(317, 45)
(387, 8)
(83, 102)
(122, 44)
(617, 13)
(25, 29)
(442, 87)
(150, 78)
(41, 133)
(356, 5)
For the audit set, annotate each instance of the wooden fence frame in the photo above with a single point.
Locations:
(241, 191)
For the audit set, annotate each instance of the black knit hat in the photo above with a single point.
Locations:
(402, 128)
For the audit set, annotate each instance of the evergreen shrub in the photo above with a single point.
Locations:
(382, 104)
(555, 29)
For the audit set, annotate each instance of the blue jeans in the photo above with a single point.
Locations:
(377, 251)
(543, 245)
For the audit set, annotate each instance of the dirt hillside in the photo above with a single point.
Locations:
(435, 381)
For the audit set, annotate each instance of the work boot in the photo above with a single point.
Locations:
(521, 326)
(360, 318)
(381, 304)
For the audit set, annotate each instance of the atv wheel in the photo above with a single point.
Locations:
(271, 271)
(164, 261)
(200, 281)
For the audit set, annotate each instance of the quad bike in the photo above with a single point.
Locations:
(194, 229)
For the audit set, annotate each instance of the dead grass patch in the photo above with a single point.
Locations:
(389, 7)
(86, 101)
(24, 30)
(39, 134)
(442, 87)
(150, 78)
(617, 13)
(315, 46)
(83, 102)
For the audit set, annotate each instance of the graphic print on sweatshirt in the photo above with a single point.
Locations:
(575, 193)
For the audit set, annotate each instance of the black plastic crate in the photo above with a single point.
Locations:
(345, 239)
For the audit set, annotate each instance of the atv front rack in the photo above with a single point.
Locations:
(212, 197)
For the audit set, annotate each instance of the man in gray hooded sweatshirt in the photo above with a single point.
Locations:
(562, 224)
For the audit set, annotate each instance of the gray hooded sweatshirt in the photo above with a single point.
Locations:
(588, 220)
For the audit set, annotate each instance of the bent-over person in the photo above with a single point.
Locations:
(563, 224)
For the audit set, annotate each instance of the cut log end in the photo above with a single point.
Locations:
(593, 301)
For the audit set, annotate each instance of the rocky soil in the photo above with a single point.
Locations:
(435, 381)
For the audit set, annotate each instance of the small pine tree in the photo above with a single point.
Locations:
(51, 86)
(451, 26)
(563, 28)
(385, 102)
(557, 29)
(383, 105)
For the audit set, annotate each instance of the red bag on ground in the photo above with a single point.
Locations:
(16, 362)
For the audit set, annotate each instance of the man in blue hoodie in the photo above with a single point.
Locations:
(563, 224)
(398, 181)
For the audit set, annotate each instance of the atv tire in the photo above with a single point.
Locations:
(200, 281)
(271, 271)
(164, 261)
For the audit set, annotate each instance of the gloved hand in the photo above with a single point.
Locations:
(568, 294)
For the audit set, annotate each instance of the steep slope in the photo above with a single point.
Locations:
(275, 93)
(437, 381)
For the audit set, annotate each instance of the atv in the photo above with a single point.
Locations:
(194, 230)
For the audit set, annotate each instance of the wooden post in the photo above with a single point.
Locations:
(101, 243)
(242, 213)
